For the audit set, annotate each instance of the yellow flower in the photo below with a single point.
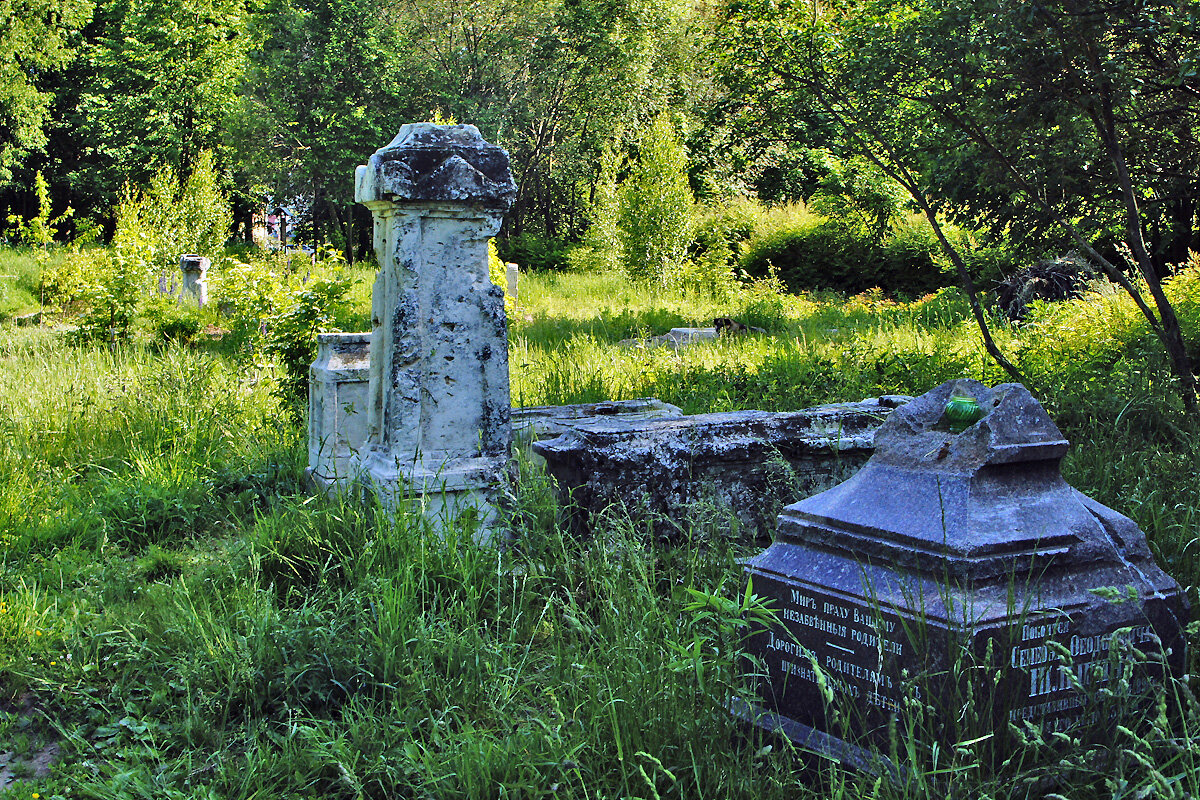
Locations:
(39, 633)
(36, 796)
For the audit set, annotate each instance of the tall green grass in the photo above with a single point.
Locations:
(185, 620)
(19, 271)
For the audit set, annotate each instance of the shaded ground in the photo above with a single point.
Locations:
(29, 749)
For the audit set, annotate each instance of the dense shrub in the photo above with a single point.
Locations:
(292, 333)
(654, 207)
(533, 252)
(817, 253)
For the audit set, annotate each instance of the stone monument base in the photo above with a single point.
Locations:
(463, 490)
(958, 586)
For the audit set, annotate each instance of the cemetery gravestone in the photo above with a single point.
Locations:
(195, 273)
(955, 558)
(438, 427)
(743, 465)
(511, 280)
(337, 406)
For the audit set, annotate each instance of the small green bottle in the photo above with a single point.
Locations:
(962, 411)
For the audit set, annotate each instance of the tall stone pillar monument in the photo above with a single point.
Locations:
(438, 412)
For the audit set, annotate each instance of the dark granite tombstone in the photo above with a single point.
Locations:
(947, 568)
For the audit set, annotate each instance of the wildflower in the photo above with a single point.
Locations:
(39, 633)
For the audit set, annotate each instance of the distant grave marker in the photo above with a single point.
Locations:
(195, 278)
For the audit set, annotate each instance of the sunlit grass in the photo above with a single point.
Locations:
(209, 628)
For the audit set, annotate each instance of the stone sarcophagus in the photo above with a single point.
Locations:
(438, 428)
(746, 464)
(956, 571)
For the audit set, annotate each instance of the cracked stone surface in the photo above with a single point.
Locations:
(437, 411)
(745, 464)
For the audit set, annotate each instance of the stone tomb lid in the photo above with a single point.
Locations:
(968, 505)
(728, 434)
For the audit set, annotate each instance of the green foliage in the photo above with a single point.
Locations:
(857, 191)
(723, 228)
(162, 78)
(174, 215)
(248, 292)
(172, 321)
(654, 207)
(498, 273)
(112, 287)
(115, 288)
(64, 284)
(292, 331)
(600, 248)
(841, 255)
(35, 44)
(40, 229)
(531, 251)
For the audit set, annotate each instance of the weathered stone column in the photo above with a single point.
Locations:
(195, 273)
(438, 411)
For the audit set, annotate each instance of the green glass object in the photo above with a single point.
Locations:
(962, 411)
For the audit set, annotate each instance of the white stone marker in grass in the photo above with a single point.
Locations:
(438, 426)
(195, 278)
(338, 383)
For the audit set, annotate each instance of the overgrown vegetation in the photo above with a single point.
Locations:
(181, 617)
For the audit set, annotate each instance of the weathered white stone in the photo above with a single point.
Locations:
(438, 426)
(337, 407)
(535, 423)
(676, 337)
(511, 280)
(195, 278)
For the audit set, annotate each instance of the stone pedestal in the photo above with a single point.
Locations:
(952, 566)
(337, 407)
(195, 274)
(438, 428)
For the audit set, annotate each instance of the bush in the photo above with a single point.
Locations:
(534, 252)
(64, 283)
(170, 321)
(813, 253)
(293, 331)
(654, 207)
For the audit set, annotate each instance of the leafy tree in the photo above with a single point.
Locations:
(600, 71)
(655, 207)
(1064, 114)
(35, 39)
(326, 90)
(164, 75)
